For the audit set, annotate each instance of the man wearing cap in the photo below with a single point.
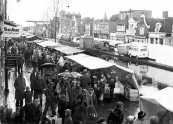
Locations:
(140, 119)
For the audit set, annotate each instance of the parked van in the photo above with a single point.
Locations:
(123, 49)
(138, 50)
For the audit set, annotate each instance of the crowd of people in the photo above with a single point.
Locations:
(74, 99)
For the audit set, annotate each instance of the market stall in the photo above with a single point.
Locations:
(45, 43)
(90, 62)
(68, 50)
(127, 84)
(158, 104)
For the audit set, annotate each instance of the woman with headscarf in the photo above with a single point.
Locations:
(91, 115)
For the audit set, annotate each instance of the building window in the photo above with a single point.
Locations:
(151, 40)
(121, 27)
(161, 41)
(156, 40)
(95, 27)
(141, 30)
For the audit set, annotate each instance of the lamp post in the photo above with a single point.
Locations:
(6, 69)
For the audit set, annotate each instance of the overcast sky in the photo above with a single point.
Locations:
(24, 10)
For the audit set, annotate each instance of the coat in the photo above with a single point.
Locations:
(85, 81)
(68, 119)
(32, 77)
(39, 85)
(63, 91)
(75, 93)
(79, 115)
(21, 61)
(92, 100)
(19, 85)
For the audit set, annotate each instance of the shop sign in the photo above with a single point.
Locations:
(12, 31)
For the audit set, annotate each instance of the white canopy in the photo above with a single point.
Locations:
(90, 62)
(46, 43)
(158, 103)
(68, 50)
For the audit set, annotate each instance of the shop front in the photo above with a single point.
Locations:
(120, 36)
(141, 39)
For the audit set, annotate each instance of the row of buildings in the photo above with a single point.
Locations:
(127, 26)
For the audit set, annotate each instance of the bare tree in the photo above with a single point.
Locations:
(52, 14)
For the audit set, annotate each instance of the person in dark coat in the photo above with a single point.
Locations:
(62, 106)
(49, 99)
(79, 116)
(91, 115)
(112, 86)
(68, 118)
(80, 100)
(31, 113)
(39, 86)
(19, 86)
(20, 63)
(76, 90)
(32, 78)
(85, 80)
(27, 95)
(116, 115)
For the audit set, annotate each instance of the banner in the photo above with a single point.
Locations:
(12, 31)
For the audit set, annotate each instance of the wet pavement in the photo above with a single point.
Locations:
(130, 108)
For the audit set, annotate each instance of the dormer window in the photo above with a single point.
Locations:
(158, 25)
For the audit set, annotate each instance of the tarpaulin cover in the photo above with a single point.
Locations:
(46, 43)
(68, 50)
(159, 104)
(90, 62)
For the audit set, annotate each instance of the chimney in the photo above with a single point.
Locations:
(165, 14)
(73, 12)
(92, 18)
(79, 13)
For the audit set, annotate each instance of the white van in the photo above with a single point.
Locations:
(138, 51)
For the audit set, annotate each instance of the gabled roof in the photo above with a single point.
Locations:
(114, 17)
(166, 24)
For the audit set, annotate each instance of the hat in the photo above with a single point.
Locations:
(85, 71)
(130, 118)
(63, 97)
(141, 114)
(90, 89)
(100, 120)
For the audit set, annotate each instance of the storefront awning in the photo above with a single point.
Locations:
(68, 50)
(90, 62)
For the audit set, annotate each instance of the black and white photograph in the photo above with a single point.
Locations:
(86, 61)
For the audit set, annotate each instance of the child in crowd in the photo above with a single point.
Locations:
(68, 118)
(92, 99)
(27, 95)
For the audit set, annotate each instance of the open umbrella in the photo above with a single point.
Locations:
(48, 65)
(76, 74)
(70, 74)
(66, 74)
